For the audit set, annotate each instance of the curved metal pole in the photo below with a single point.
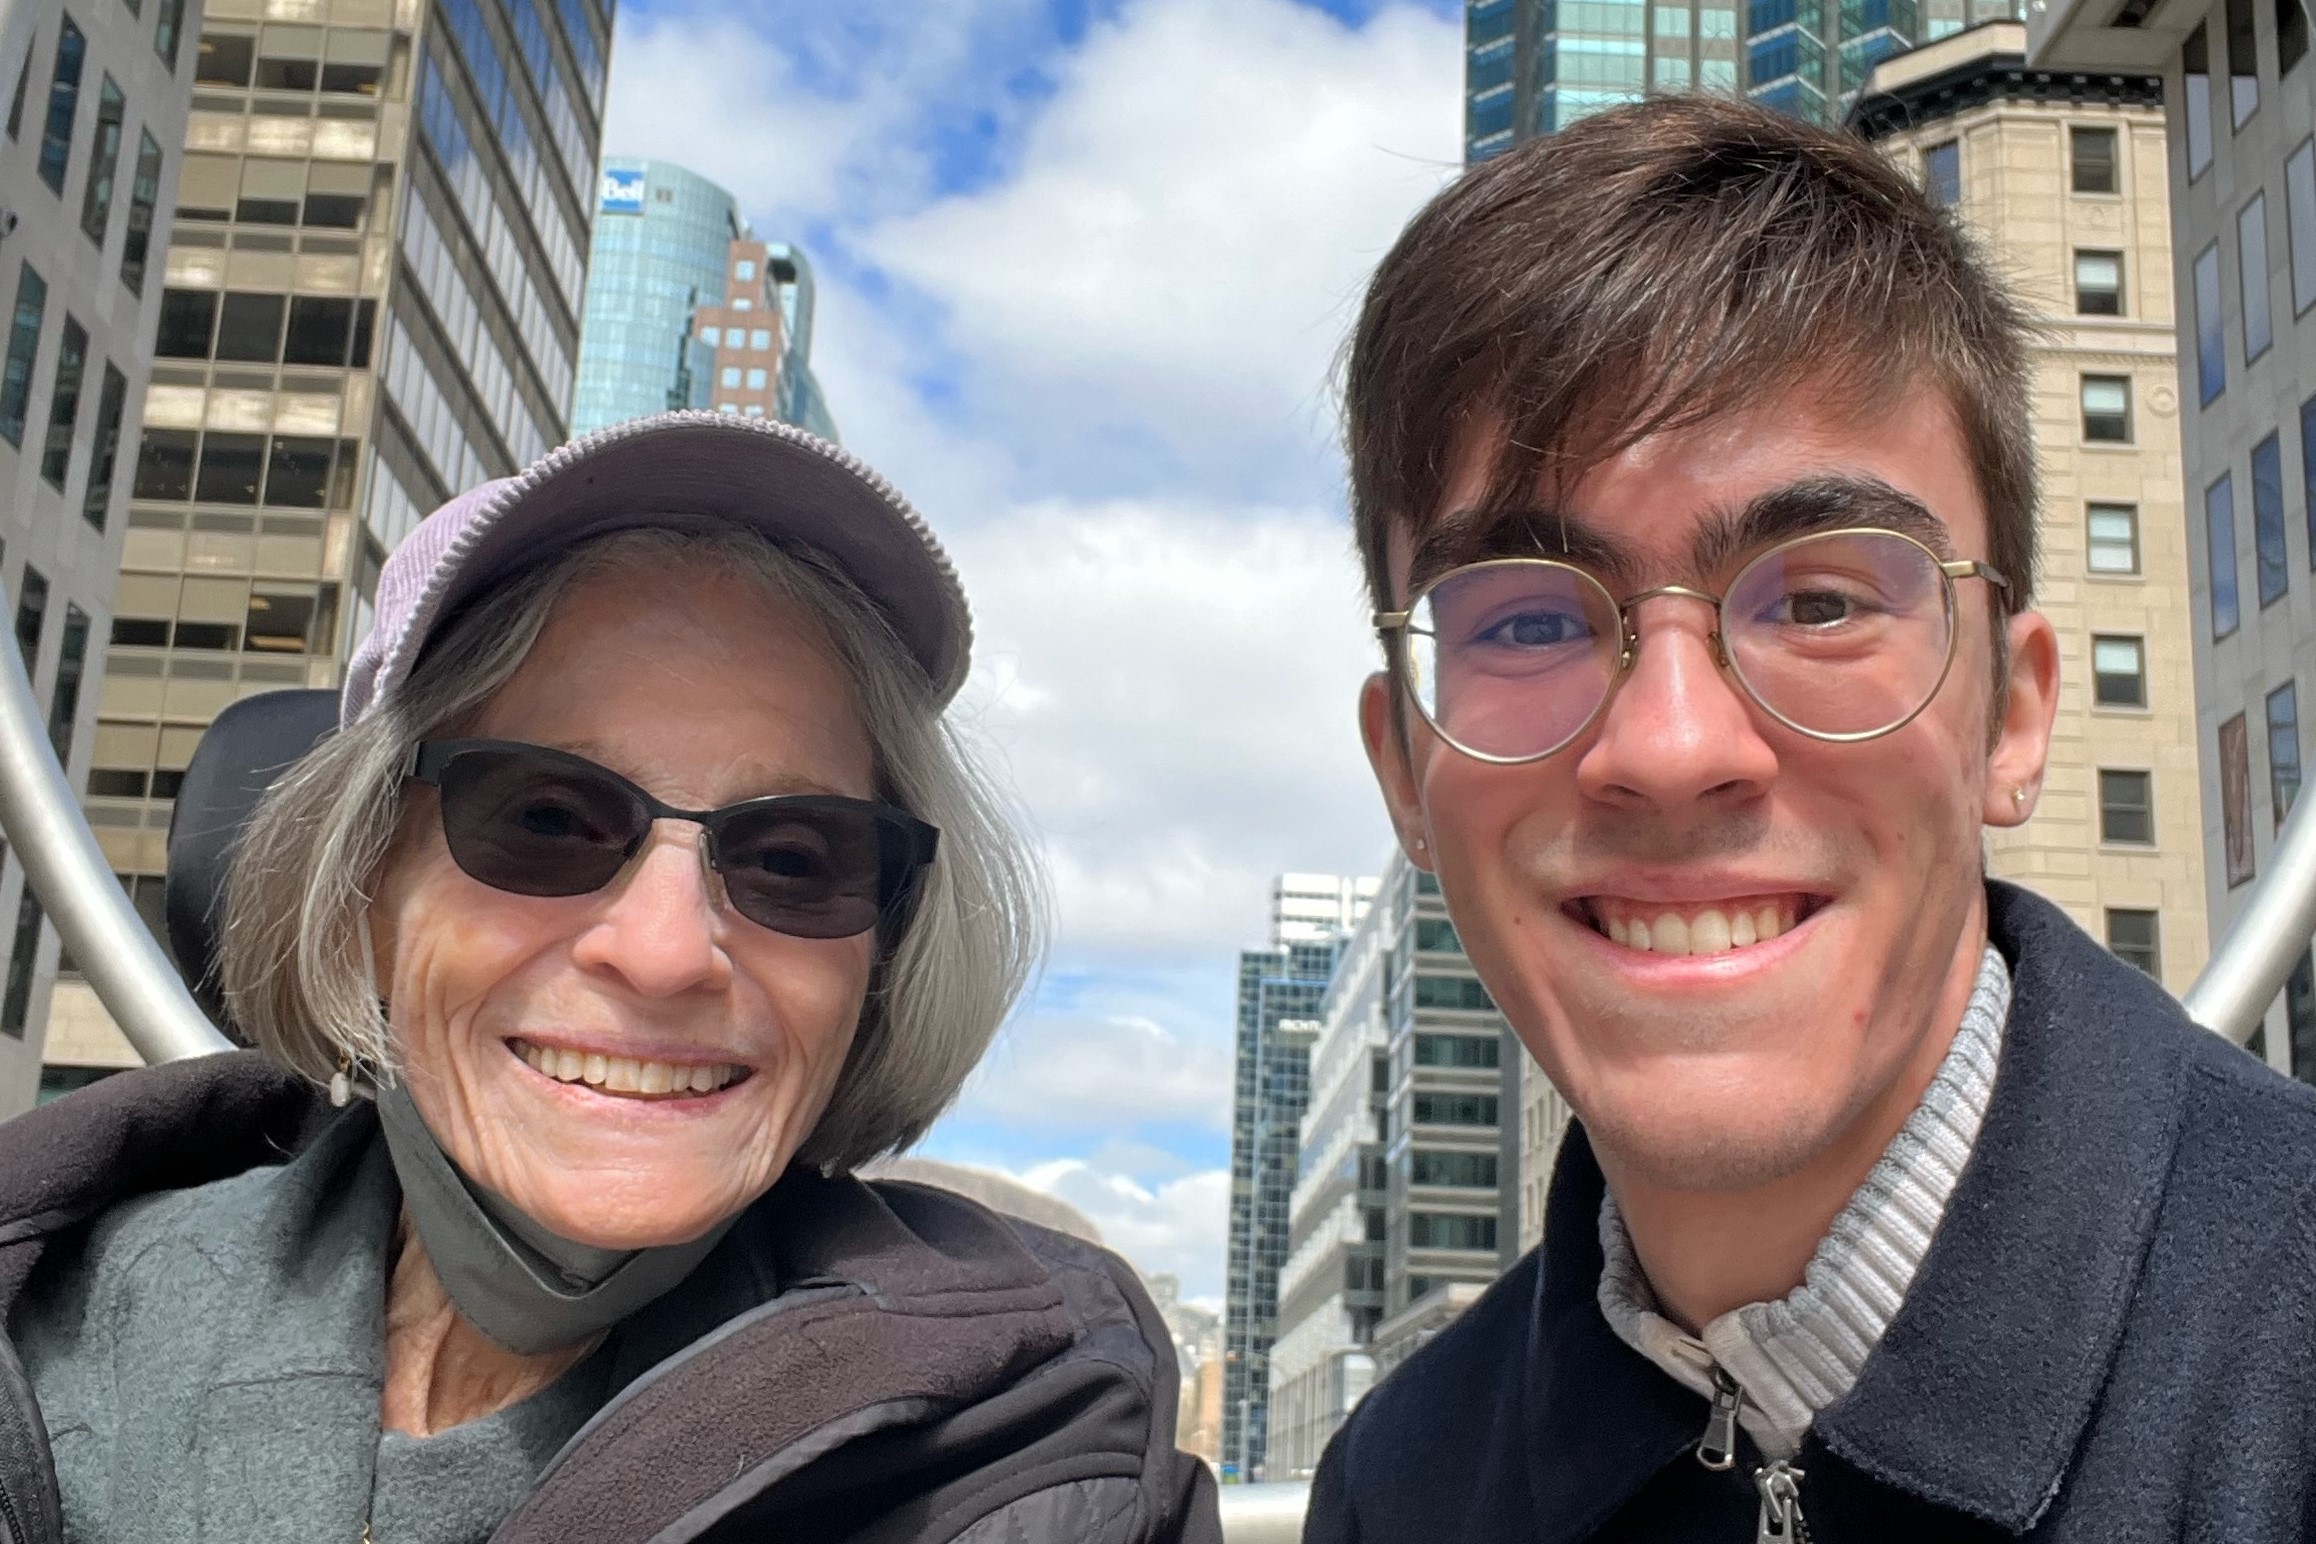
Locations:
(67, 870)
(1264, 1514)
(2269, 938)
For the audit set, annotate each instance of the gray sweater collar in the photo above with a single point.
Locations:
(1795, 1356)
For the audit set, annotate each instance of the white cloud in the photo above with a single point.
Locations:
(1173, 690)
(1091, 1072)
(1194, 214)
(1179, 1226)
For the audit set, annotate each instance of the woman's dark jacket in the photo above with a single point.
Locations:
(2112, 1339)
(928, 1371)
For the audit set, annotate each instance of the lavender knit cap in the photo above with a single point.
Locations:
(672, 470)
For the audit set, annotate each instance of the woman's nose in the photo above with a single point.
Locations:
(660, 927)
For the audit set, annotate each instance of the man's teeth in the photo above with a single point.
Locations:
(1709, 931)
(624, 1074)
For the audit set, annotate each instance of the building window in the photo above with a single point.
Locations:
(63, 103)
(2195, 71)
(232, 465)
(2211, 357)
(2291, 36)
(64, 699)
(2133, 938)
(2107, 409)
(2235, 780)
(168, 25)
(64, 403)
(2091, 153)
(2126, 808)
(1450, 1230)
(1942, 173)
(729, 376)
(2098, 283)
(1453, 1109)
(745, 268)
(2283, 749)
(31, 615)
(756, 379)
(1437, 935)
(2252, 276)
(223, 59)
(2243, 64)
(1456, 1050)
(760, 339)
(165, 464)
(2300, 221)
(711, 336)
(1458, 992)
(249, 327)
(2113, 538)
(16, 1006)
(2268, 520)
(2219, 534)
(144, 192)
(96, 205)
(23, 344)
(2118, 672)
(104, 454)
(16, 102)
(1472, 1171)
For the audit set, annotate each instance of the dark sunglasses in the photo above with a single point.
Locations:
(534, 821)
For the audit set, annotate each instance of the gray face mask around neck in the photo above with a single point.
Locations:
(527, 1289)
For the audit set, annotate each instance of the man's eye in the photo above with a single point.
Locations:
(1817, 608)
(1536, 630)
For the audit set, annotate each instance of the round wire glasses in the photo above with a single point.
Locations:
(1840, 635)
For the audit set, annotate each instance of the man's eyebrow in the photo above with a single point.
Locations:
(1813, 504)
(1474, 536)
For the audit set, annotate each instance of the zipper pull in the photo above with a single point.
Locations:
(1717, 1449)
(1780, 1486)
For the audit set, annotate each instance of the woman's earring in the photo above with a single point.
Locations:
(2018, 796)
(342, 1082)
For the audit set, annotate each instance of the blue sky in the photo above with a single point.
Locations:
(1085, 268)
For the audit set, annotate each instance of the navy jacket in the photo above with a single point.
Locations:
(2113, 1337)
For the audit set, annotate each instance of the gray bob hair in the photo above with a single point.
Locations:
(293, 957)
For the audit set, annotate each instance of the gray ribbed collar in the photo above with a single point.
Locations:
(1795, 1356)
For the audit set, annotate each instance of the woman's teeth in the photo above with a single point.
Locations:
(1705, 930)
(625, 1074)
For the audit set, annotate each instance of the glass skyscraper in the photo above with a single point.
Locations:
(1535, 66)
(662, 238)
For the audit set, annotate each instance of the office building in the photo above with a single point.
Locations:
(663, 237)
(758, 339)
(97, 94)
(1408, 1189)
(2242, 173)
(372, 301)
(1281, 990)
(1330, 1288)
(686, 308)
(1535, 66)
(2062, 177)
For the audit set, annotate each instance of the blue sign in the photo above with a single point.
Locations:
(622, 191)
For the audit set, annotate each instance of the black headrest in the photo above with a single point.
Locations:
(241, 755)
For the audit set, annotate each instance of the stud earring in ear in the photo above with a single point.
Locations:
(2018, 797)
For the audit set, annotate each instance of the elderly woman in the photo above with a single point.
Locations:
(642, 896)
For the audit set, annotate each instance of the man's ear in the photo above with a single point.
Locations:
(1387, 752)
(2023, 717)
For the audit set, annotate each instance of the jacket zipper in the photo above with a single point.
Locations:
(1778, 1482)
(12, 1530)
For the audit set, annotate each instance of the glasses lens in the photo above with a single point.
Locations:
(1511, 659)
(1843, 634)
(536, 825)
(809, 870)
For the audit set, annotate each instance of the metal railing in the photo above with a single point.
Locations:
(1264, 1514)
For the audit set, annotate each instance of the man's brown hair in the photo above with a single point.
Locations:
(1656, 266)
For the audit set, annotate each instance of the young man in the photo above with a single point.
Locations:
(1692, 468)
